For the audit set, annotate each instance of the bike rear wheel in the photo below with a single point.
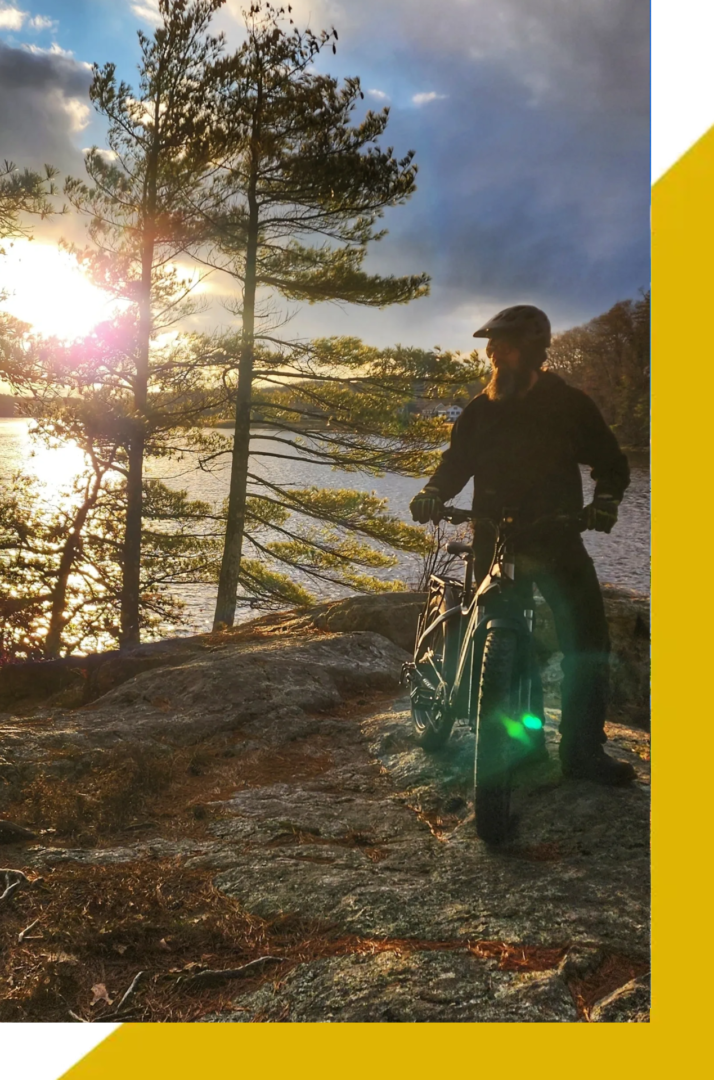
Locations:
(497, 710)
(431, 717)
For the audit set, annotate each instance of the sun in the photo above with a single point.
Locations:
(47, 288)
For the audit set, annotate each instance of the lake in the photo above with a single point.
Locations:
(622, 558)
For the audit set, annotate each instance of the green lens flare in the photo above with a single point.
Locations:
(532, 722)
(514, 730)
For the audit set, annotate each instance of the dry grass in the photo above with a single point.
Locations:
(302, 760)
(613, 972)
(300, 837)
(93, 800)
(101, 801)
(97, 926)
(519, 957)
(546, 851)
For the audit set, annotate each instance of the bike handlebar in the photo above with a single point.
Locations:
(457, 516)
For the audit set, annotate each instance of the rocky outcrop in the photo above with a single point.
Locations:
(81, 680)
(628, 617)
(216, 689)
(229, 685)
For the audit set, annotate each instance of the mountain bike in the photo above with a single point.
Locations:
(473, 663)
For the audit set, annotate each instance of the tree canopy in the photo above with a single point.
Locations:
(609, 358)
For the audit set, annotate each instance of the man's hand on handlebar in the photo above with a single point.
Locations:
(457, 516)
(427, 506)
(601, 513)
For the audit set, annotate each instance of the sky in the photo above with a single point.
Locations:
(529, 118)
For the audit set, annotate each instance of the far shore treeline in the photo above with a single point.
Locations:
(250, 165)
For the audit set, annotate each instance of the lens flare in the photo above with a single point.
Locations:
(47, 288)
(534, 723)
(514, 730)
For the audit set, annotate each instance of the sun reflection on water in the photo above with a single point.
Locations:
(56, 468)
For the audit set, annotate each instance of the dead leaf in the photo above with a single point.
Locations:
(99, 993)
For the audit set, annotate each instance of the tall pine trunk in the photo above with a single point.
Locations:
(131, 551)
(130, 629)
(235, 525)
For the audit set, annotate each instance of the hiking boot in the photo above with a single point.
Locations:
(598, 767)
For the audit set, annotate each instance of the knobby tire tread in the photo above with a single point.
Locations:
(496, 695)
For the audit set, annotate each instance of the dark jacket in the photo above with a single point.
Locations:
(523, 453)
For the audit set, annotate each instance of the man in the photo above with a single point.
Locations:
(522, 440)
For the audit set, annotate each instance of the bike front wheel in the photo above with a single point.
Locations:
(497, 710)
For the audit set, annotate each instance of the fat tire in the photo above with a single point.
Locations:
(497, 699)
(432, 724)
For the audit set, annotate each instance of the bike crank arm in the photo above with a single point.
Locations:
(420, 689)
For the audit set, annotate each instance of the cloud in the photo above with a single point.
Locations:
(55, 50)
(533, 180)
(317, 14)
(592, 54)
(11, 18)
(45, 97)
(108, 155)
(78, 113)
(424, 98)
(148, 11)
(41, 22)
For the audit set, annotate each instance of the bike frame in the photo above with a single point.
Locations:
(497, 603)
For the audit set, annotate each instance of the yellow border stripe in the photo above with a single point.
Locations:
(683, 427)
(348, 1051)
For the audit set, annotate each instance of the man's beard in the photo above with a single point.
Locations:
(505, 383)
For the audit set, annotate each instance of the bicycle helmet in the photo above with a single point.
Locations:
(523, 321)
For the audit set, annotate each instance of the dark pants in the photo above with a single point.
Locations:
(564, 572)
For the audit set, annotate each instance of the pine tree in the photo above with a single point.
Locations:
(146, 208)
(337, 404)
(303, 192)
(24, 192)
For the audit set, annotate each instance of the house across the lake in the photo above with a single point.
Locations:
(450, 413)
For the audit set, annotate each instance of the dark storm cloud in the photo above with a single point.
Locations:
(511, 199)
(593, 53)
(533, 151)
(530, 119)
(44, 105)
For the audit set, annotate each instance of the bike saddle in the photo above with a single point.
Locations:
(455, 547)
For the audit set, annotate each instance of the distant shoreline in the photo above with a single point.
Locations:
(640, 455)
